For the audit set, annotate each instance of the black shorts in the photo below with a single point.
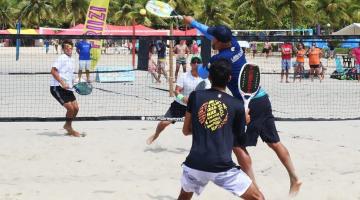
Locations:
(61, 95)
(176, 110)
(262, 123)
(265, 50)
(314, 66)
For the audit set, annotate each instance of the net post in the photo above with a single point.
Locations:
(171, 69)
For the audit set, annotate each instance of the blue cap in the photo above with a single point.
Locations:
(221, 33)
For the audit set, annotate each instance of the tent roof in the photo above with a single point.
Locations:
(23, 31)
(4, 32)
(352, 29)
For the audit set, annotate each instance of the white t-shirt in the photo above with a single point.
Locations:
(65, 66)
(188, 82)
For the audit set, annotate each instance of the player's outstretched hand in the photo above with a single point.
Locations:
(188, 19)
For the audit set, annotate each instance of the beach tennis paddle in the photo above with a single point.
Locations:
(161, 9)
(83, 88)
(249, 82)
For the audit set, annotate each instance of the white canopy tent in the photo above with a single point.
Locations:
(352, 29)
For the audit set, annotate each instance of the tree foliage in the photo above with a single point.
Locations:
(238, 14)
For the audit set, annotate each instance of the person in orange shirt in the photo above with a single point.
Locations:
(300, 59)
(314, 55)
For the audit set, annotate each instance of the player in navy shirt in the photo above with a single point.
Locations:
(262, 122)
(215, 119)
(83, 48)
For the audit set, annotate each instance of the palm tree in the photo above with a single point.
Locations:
(215, 12)
(129, 13)
(6, 16)
(295, 10)
(260, 10)
(73, 11)
(34, 13)
(331, 11)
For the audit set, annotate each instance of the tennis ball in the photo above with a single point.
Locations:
(142, 11)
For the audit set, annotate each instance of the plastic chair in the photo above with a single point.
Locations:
(339, 65)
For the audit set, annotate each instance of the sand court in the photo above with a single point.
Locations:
(113, 161)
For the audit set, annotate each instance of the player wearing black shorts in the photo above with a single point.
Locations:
(184, 86)
(61, 84)
(262, 121)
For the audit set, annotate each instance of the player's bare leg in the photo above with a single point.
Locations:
(284, 156)
(160, 127)
(245, 162)
(71, 112)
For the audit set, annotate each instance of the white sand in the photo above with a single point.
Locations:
(113, 162)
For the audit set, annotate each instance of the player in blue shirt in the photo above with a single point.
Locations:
(83, 48)
(262, 122)
(215, 120)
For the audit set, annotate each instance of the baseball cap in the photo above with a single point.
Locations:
(196, 59)
(220, 32)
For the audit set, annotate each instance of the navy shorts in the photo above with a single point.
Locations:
(262, 122)
(61, 95)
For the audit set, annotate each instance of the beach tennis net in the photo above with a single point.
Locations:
(123, 88)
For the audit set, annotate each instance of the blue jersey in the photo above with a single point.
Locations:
(233, 54)
(83, 48)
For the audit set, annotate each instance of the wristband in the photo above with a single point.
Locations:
(180, 97)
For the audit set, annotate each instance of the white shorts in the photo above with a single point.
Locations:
(84, 64)
(234, 180)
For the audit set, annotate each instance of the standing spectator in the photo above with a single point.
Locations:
(356, 53)
(47, 45)
(314, 55)
(180, 50)
(195, 50)
(286, 52)
(331, 49)
(161, 64)
(300, 60)
(267, 48)
(253, 47)
(56, 45)
(83, 48)
(152, 67)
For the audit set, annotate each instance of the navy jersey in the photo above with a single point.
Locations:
(161, 49)
(218, 119)
(234, 54)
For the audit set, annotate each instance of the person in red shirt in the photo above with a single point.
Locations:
(286, 52)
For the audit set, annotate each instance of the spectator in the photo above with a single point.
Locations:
(314, 55)
(152, 67)
(180, 50)
(300, 60)
(47, 45)
(267, 49)
(286, 52)
(56, 45)
(195, 50)
(161, 64)
(356, 53)
(83, 48)
(253, 47)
